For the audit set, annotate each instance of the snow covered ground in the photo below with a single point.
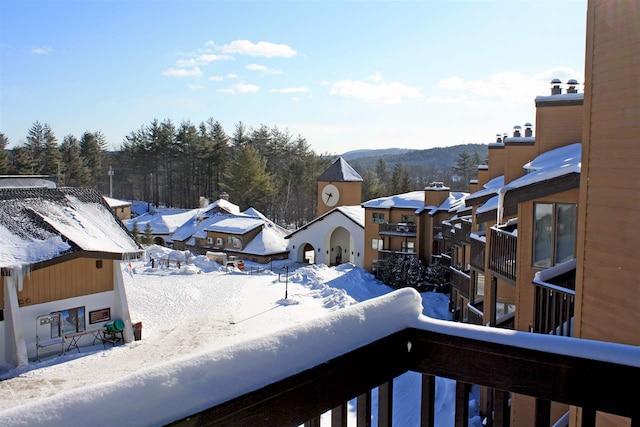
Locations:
(199, 309)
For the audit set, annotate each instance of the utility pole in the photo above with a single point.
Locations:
(111, 172)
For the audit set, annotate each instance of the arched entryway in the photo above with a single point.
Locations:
(306, 253)
(341, 245)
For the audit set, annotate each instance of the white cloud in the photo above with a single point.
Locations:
(291, 90)
(266, 49)
(183, 63)
(41, 50)
(196, 87)
(241, 88)
(388, 93)
(216, 78)
(232, 76)
(262, 68)
(210, 57)
(376, 77)
(509, 86)
(182, 72)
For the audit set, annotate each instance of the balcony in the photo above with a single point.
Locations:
(503, 252)
(461, 281)
(477, 252)
(555, 299)
(404, 229)
(547, 368)
(475, 315)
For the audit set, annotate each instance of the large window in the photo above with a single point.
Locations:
(376, 244)
(378, 217)
(554, 233)
(71, 320)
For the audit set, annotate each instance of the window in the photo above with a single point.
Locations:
(554, 233)
(209, 240)
(230, 240)
(378, 217)
(71, 320)
(407, 246)
(479, 284)
(376, 244)
(219, 241)
(407, 219)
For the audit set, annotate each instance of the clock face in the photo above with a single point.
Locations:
(330, 195)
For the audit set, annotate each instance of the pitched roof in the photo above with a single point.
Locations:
(41, 224)
(340, 171)
(353, 213)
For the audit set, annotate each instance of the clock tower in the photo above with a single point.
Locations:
(339, 185)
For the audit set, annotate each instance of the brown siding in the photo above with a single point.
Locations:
(608, 253)
(350, 195)
(67, 280)
(557, 126)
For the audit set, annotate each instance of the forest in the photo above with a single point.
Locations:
(174, 165)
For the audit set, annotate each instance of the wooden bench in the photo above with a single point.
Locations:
(75, 337)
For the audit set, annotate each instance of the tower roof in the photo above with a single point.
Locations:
(340, 171)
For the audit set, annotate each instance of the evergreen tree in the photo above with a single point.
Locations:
(93, 147)
(75, 173)
(249, 182)
(240, 138)
(22, 162)
(465, 168)
(147, 238)
(135, 232)
(4, 162)
(382, 172)
(372, 188)
(51, 162)
(400, 181)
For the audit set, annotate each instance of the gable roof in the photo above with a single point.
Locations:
(42, 224)
(340, 171)
(353, 213)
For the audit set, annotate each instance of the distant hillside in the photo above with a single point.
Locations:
(358, 154)
(442, 158)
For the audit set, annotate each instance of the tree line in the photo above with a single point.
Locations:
(173, 165)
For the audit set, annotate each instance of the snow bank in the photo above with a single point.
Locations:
(167, 392)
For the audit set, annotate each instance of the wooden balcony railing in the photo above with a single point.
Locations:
(475, 314)
(398, 229)
(477, 253)
(548, 368)
(502, 254)
(461, 281)
(555, 299)
(466, 231)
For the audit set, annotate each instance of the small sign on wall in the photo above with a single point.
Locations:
(101, 315)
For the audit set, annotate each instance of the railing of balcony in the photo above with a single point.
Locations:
(482, 356)
(475, 315)
(466, 231)
(502, 255)
(555, 300)
(456, 237)
(462, 281)
(385, 254)
(400, 229)
(477, 253)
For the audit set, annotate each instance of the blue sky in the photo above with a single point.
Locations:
(346, 75)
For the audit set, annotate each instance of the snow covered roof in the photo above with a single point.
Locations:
(354, 213)
(489, 190)
(411, 200)
(340, 171)
(268, 242)
(232, 224)
(551, 164)
(115, 203)
(561, 98)
(40, 224)
(162, 221)
(451, 203)
(28, 181)
(549, 173)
